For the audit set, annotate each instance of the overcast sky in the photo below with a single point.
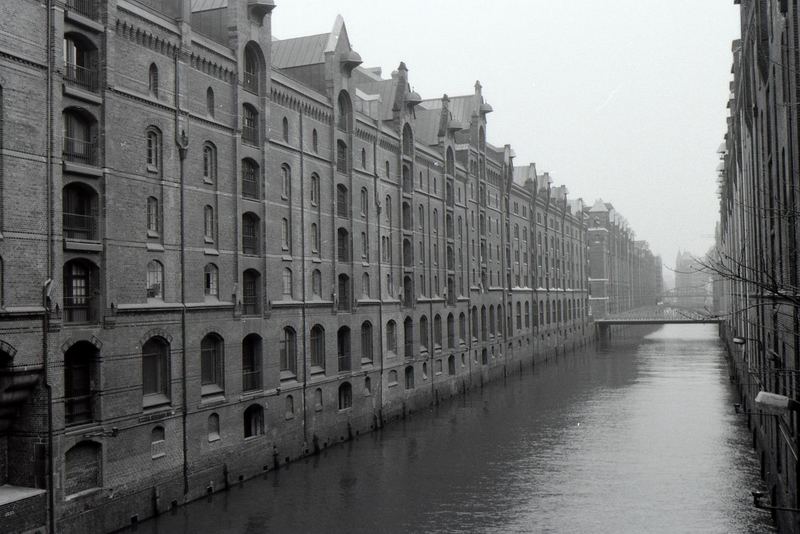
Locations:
(623, 100)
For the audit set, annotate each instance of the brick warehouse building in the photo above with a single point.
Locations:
(222, 252)
(756, 256)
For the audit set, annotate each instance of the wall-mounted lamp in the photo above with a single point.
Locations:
(776, 404)
(758, 502)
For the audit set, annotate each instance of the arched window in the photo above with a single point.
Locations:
(210, 106)
(251, 292)
(211, 364)
(213, 427)
(388, 211)
(408, 141)
(251, 362)
(316, 283)
(209, 224)
(366, 341)
(153, 217)
(209, 163)
(314, 189)
(342, 204)
(250, 178)
(155, 280)
(153, 136)
(153, 80)
(367, 386)
(285, 234)
(365, 286)
(424, 336)
(314, 238)
(451, 331)
(364, 201)
(211, 280)
(344, 118)
(79, 130)
(82, 467)
(391, 336)
(80, 61)
(343, 245)
(318, 347)
(155, 371)
(250, 124)
(81, 281)
(451, 162)
(252, 68)
(286, 182)
(314, 141)
(462, 327)
(250, 233)
(318, 399)
(363, 159)
(344, 296)
(285, 130)
(288, 349)
(410, 377)
(288, 284)
(392, 379)
(79, 374)
(80, 212)
(342, 160)
(387, 169)
(437, 331)
(157, 436)
(343, 349)
(345, 396)
(408, 337)
(253, 421)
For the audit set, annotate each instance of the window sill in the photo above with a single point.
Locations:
(212, 393)
(213, 437)
(155, 247)
(81, 494)
(152, 169)
(210, 252)
(154, 400)
(317, 370)
(287, 375)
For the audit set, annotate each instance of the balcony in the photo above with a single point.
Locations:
(83, 77)
(80, 151)
(87, 8)
(250, 305)
(79, 310)
(250, 135)
(80, 226)
(250, 188)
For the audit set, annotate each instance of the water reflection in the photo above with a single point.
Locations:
(638, 438)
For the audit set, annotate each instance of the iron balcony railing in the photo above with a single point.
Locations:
(78, 409)
(250, 244)
(79, 310)
(250, 135)
(80, 150)
(250, 81)
(250, 305)
(80, 226)
(81, 76)
(249, 188)
(251, 379)
(87, 8)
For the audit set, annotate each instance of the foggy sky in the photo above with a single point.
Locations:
(623, 100)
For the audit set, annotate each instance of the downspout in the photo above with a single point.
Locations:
(51, 498)
(378, 210)
(183, 148)
(303, 277)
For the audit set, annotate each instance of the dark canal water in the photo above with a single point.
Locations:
(641, 437)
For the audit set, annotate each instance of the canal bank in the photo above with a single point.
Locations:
(773, 436)
(640, 437)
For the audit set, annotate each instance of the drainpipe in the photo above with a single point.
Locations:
(304, 310)
(183, 147)
(380, 276)
(51, 499)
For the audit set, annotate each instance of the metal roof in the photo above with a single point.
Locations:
(307, 50)
(208, 5)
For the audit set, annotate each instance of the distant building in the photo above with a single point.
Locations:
(693, 283)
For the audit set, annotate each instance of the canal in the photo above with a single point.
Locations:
(640, 437)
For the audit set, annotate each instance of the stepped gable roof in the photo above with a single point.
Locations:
(299, 51)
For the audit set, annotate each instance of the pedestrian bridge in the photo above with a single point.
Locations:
(665, 314)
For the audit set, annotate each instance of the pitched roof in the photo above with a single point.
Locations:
(306, 50)
(208, 5)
